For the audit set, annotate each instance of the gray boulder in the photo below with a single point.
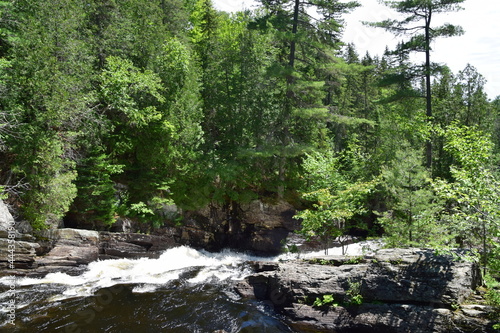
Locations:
(72, 255)
(73, 237)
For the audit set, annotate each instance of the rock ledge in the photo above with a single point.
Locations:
(401, 290)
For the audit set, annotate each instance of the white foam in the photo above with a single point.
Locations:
(144, 288)
(150, 274)
(146, 272)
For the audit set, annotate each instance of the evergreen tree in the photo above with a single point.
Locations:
(418, 15)
(446, 104)
(458, 99)
(351, 100)
(132, 29)
(240, 108)
(237, 101)
(52, 92)
(308, 46)
(7, 117)
(413, 207)
(474, 109)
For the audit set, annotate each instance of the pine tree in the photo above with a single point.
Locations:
(474, 110)
(53, 95)
(418, 15)
(308, 46)
(413, 206)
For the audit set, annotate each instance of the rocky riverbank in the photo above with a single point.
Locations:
(393, 290)
(70, 250)
(24, 252)
(257, 227)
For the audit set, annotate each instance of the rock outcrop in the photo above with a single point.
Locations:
(17, 251)
(22, 255)
(66, 250)
(131, 245)
(394, 290)
(257, 226)
(6, 219)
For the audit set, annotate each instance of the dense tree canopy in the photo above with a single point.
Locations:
(121, 108)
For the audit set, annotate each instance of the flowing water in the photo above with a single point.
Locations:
(184, 290)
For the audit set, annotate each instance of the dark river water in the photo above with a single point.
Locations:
(184, 290)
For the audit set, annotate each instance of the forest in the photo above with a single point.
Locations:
(115, 108)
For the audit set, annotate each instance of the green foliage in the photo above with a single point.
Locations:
(3, 195)
(493, 290)
(493, 294)
(413, 207)
(52, 184)
(327, 300)
(141, 209)
(474, 194)
(470, 147)
(354, 261)
(96, 193)
(204, 21)
(322, 172)
(49, 96)
(335, 200)
(353, 294)
(125, 89)
(301, 70)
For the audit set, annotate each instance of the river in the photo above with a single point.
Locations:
(184, 290)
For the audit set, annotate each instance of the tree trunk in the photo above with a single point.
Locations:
(288, 105)
(428, 95)
(295, 26)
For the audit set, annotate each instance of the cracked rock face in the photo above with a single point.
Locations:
(401, 290)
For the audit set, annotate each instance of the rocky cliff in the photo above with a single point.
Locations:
(258, 226)
(394, 290)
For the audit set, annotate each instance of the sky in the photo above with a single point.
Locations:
(479, 46)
